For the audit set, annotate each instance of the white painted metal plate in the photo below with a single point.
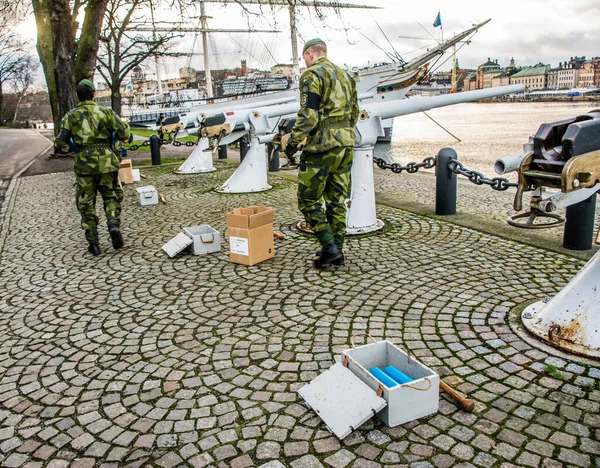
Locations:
(341, 400)
(177, 244)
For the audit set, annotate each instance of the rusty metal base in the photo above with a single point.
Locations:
(304, 227)
(551, 336)
(379, 225)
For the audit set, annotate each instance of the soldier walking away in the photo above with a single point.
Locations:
(326, 119)
(93, 129)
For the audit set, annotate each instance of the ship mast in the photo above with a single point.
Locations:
(292, 5)
(207, 75)
(158, 80)
(453, 79)
(203, 29)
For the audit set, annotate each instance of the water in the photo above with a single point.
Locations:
(488, 131)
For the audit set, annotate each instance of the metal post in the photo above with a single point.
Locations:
(223, 152)
(155, 150)
(244, 147)
(445, 183)
(579, 225)
(273, 157)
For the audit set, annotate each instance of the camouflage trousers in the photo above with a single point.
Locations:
(87, 187)
(325, 177)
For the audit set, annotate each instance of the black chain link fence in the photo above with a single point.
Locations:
(497, 183)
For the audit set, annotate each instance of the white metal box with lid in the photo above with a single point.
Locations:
(147, 195)
(347, 394)
(405, 402)
(205, 239)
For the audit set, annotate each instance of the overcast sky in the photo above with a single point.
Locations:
(531, 31)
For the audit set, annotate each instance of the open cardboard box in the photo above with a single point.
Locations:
(126, 171)
(251, 234)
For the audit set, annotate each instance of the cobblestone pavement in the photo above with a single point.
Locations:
(135, 359)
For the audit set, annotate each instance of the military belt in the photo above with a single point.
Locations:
(94, 146)
(333, 123)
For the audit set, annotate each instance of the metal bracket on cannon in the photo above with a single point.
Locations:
(171, 126)
(214, 129)
(214, 134)
(566, 157)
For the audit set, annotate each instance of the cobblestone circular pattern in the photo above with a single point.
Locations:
(135, 359)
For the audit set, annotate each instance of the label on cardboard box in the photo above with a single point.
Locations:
(238, 245)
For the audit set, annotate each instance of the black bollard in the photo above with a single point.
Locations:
(223, 152)
(244, 147)
(273, 157)
(445, 183)
(579, 225)
(155, 150)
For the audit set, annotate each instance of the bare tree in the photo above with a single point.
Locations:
(66, 47)
(22, 81)
(14, 62)
(123, 48)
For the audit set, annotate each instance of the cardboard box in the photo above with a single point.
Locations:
(205, 239)
(125, 172)
(251, 235)
(147, 195)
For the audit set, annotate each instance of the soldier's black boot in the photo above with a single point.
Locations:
(329, 254)
(94, 249)
(338, 262)
(115, 236)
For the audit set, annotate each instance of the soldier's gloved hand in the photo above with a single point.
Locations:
(290, 151)
(130, 138)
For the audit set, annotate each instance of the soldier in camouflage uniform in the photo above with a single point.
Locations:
(326, 119)
(92, 129)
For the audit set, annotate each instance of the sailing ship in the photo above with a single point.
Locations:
(389, 80)
(251, 83)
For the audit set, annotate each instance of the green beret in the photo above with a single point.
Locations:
(88, 84)
(313, 42)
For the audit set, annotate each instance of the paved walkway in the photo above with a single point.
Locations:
(135, 359)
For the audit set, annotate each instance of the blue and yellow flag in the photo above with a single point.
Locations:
(437, 21)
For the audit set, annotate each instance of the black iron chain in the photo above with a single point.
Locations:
(497, 183)
(411, 167)
(163, 142)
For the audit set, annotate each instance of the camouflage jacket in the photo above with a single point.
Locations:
(328, 108)
(91, 127)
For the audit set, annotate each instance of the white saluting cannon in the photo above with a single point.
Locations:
(564, 157)
(262, 125)
(361, 217)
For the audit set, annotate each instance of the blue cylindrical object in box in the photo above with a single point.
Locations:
(383, 377)
(398, 375)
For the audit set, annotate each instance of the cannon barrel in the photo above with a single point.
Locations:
(512, 163)
(391, 109)
(509, 163)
